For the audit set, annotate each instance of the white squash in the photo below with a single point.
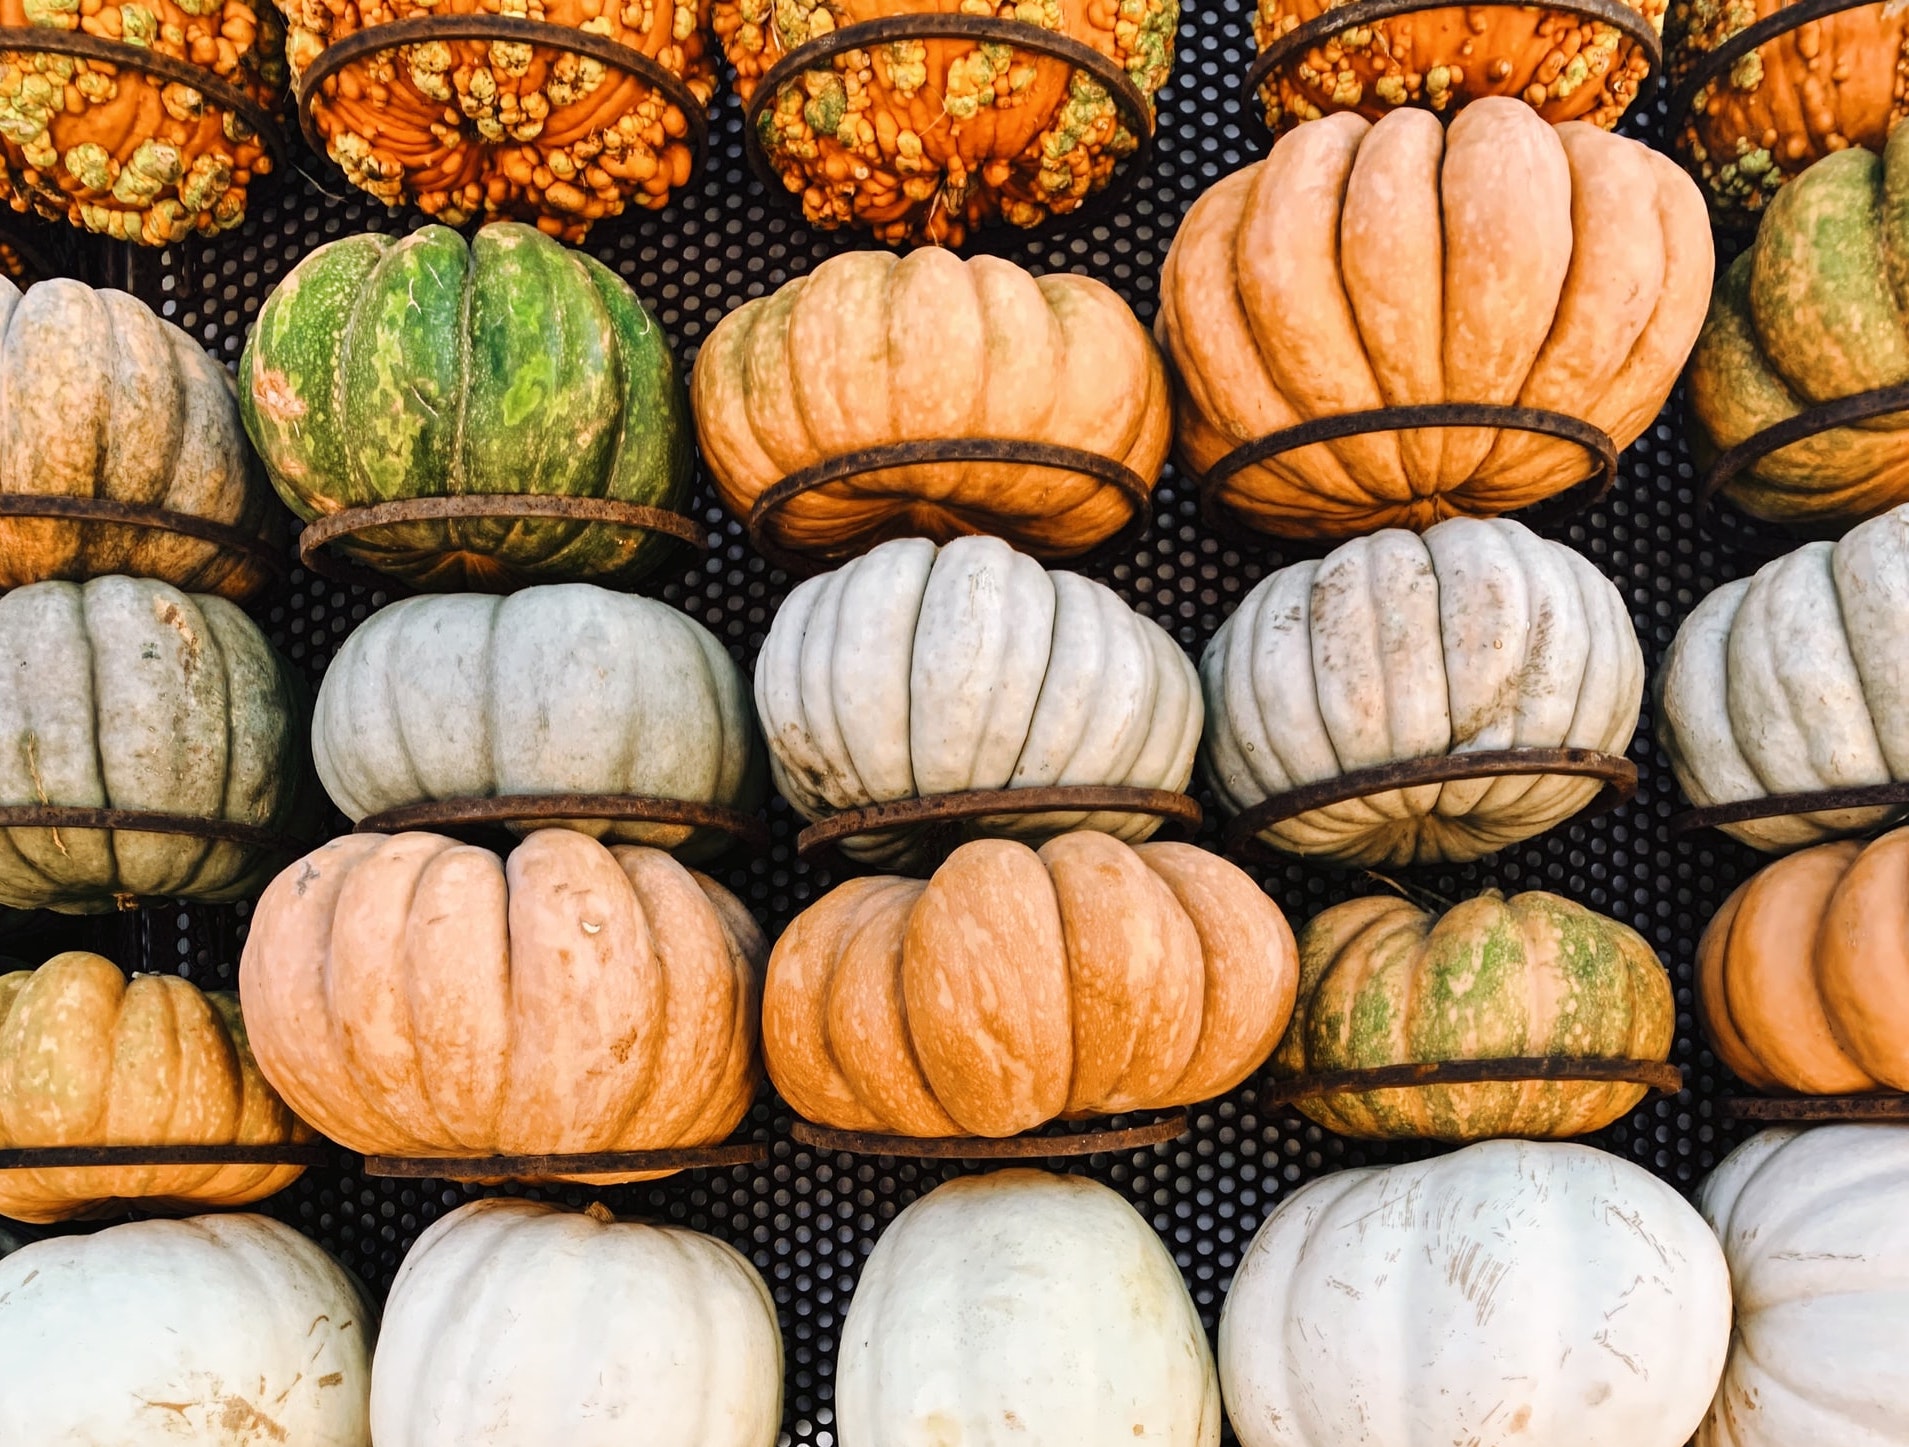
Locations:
(1026, 1309)
(915, 670)
(515, 1324)
(1815, 1225)
(569, 689)
(215, 1331)
(1478, 635)
(1513, 1294)
(1794, 680)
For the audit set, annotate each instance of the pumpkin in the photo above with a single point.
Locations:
(1568, 67)
(1384, 982)
(221, 1331)
(1811, 1224)
(413, 996)
(1803, 975)
(1405, 263)
(1512, 1292)
(566, 689)
(1041, 1302)
(128, 694)
(1477, 636)
(1812, 312)
(1016, 987)
(469, 130)
(922, 139)
(510, 1317)
(917, 671)
(866, 351)
(1793, 681)
(1821, 88)
(100, 398)
(382, 370)
(88, 1058)
(125, 153)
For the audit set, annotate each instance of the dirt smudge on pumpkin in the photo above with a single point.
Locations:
(1477, 1274)
(238, 1415)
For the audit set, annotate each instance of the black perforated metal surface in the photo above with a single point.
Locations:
(808, 1220)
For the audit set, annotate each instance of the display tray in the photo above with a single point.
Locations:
(808, 1216)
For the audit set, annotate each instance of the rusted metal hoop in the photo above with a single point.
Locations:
(498, 811)
(139, 821)
(1618, 775)
(1659, 1076)
(59, 1158)
(1178, 809)
(1843, 412)
(589, 1163)
(394, 34)
(1801, 1108)
(928, 452)
(84, 46)
(1133, 103)
(1566, 428)
(1169, 1127)
(1335, 22)
(145, 515)
(1777, 806)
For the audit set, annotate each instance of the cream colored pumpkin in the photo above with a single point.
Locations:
(1478, 635)
(517, 1324)
(569, 689)
(916, 671)
(216, 1331)
(412, 996)
(1794, 680)
(1023, 1308)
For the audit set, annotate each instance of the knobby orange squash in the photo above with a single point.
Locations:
(1016, 987)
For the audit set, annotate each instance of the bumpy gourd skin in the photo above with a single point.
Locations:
(919, 140)
(129, 155)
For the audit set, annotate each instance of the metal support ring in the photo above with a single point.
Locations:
(1792, 16)
(1179, 809)
(507, 809)
(1660, 1077)
(1170, 1127)
(1798, 1108)
(1775, 806)
(144, 515)
(1823, 417)
(50, 1158)
(139, 821)
(589, 1163)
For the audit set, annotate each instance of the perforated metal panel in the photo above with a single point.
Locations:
(808, 1220)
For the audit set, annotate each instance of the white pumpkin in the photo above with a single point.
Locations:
(1477, 635)
(1815, 1225)
(570, 689)
(215, 1331)
(914, 671)
(1026, 1309)
(1510, 1294)
(515, 1324)
(1794, 680)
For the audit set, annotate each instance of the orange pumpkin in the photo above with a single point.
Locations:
(1016, 987)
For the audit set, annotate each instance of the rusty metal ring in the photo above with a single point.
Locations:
(393, 34)
(1842, 412)
(1133, 103)
(140, 821)
(83, 46)
(588, 1163)
(145, 515)
(1774, 806)
(1618, 775)
(1179, 809)
(1659, 1076)
(1169, 1127)
(51, 1158)
(497, 811)
(1817, 1107)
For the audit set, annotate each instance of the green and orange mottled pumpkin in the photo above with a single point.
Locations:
(1384, 982)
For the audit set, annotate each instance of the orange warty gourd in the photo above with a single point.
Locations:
(1803, 976)
(1017, 987)
(414, 996)
(1362, 266)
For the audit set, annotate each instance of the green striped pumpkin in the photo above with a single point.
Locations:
(385, 369)
(1384, 982)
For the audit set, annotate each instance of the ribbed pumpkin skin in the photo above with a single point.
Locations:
(1405, 263)
(100, 398)
(133, 695)
(568, 689)
(1817, 309)
(1383, 982)
(88, 1058)
(409, 995)
(424, 367)
(868, 350)
(1013, 988)
(1792, 681)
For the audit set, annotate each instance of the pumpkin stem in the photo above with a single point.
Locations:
(1413, 893)
(600, 1213)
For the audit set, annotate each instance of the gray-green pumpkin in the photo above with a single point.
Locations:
(124, 693)
(385, 369)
